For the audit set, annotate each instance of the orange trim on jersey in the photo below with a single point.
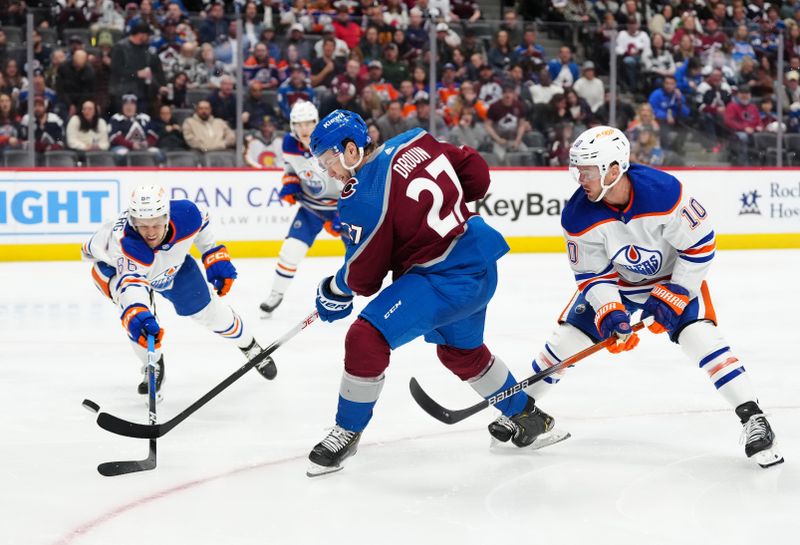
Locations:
(175, 232)
(727, 363)
(667, 213)
(569, 304)
(133, 281)
(704, 249)
(103, 285)
(630, 202)
(711, 314)
(609, 276)
(591, 227)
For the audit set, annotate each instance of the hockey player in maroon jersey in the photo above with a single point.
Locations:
(403, 210)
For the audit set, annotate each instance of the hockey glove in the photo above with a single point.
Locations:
(220, 272)
(665, 304)
(613, 319)
(140, 323)
(291, 189)
(334, 226)
(332, 307)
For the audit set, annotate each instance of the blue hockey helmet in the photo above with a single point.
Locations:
(336, 129)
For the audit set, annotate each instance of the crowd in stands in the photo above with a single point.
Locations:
(154, 77)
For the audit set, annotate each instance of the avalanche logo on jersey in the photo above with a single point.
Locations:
(349, 188)
(164, 280)
(639, 260)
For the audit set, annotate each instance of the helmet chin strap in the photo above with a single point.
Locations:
(605, 187)
(352, 168)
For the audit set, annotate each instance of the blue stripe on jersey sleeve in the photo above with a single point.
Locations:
(703, 259)
(705, 240)
(585, 276)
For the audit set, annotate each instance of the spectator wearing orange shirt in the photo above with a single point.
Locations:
(385, 91)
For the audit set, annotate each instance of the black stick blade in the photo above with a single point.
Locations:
(117, 425)
(90, 406)
(437, 411)
(112, 469)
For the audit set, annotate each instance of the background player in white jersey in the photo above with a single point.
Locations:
(636, 240)
(146, 250)
(314, 191)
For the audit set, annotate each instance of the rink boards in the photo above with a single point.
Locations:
(45, 214)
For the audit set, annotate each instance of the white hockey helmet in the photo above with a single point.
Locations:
(149, 201)
(600, 146)
(302, 111)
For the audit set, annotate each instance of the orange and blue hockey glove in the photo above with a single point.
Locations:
(140, 323)
(665, 304)
(334, 226)
(613, 319)
(291, 190)
(220, 272)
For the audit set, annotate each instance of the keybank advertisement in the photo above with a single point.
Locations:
(66, 207)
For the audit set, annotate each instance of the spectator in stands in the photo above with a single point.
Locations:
(87, 130)
(345, 29)
(134, 70)
(469, 131)
(790, 93)
(769, 120)
(632, 44)
(259, 66)
(501, 53)
(40, 89)
(564, 72)
(385, 91)
(396, 14)
(582, 17)
(624, 112)
(685, 50)
(209, 71)
(292, 57)
(76, 82)
(557, 113)
(174, 13)
(369, 48)
(175, 92)
(223, 101)
(341, 51)
(255, 108)
(741, 45)
(71, 14)
(269, 39)
(657, 62)
(421, 117)
(419, 78)
(713, 96)
(214, 29)
(351, 74)
(646, 149)
(107, 14)
(343, 98)
(375, 134)
(41, 51)
(645, 119)
(529, 49)
(448, 86)
(48, 128)
(663, 23)
(629, 11)
(251, 29)
(743, 119)
(506, 123)
(670, 109)
(394, 70)
(293, 89)
(471, 45)
(542, 92)
(371, 104)
(15, 81)
(558, 155)
(392, 122)
(227, 51)
(688, 77)
(101, 66)
(9, 124)
(467, 99)
(466, 11)
(489, 88)
(579, 109)
(131, 130)
(512, 25)
(447, 40)
(264, 148)
(590, 88)
(416, 33)
(170, 137)
(146, 16)
(203, 132)
(325, 67)
(375, 19)
(299, 41)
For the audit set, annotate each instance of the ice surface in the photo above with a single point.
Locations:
(654, 456)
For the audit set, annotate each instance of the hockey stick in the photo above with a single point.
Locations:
(452, 416)
(119, 426)
(112, 469)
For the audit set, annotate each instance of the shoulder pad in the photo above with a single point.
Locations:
(135, 248)
(186, 219)
(580, 215)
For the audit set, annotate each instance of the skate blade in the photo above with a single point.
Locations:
(316, 470)
(550, 438)
(768, 458)
(266, 315)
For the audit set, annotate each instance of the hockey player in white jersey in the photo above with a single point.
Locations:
(636, 240)
(146, 251)
(316, 194)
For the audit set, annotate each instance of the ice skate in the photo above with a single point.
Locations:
(160, 373)
(757, 435)
(267, 367)
(268, 307)
(532, 428)
(329, 454)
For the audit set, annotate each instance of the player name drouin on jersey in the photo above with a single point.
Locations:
(404, 164)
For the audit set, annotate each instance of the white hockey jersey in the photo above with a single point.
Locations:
(663, 235)
(320, 191)
(140, 268)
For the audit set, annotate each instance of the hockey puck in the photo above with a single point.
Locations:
(90, 405)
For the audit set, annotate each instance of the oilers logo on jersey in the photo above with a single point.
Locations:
(164, 280)
(639, 260)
